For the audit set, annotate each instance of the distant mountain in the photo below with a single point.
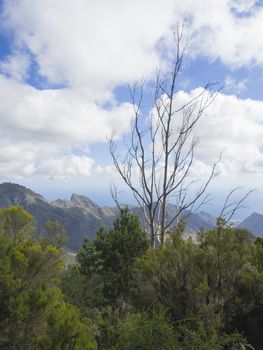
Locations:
(80, 216)
(254, 223)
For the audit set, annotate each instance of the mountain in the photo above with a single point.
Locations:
(254, 223)
(80, 216)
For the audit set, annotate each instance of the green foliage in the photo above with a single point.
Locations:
(56, 234)
(185, 295)
(90, 259)
(16, 223)
(153, 330)
(198, 334)
(112, 254)
(185, 276)
(99, 284)
(219, 273)
(29, 274)
(85, 293)
(128, 331)
(227, 251)
(32, 311)
(65, 330)
(148, 331)
(247, 306)
(172, 276)
(109, 322)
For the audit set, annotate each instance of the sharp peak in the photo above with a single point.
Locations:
(255, 213)
(81, 200)
(76, 195)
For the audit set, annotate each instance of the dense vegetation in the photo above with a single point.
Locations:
(123, 295)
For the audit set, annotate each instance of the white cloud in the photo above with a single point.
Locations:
(234, 126)
(67, 166)
(60, 115)
(227, 30)
(15, 66)
(90, 47)
(235, 86)
(40, 124)
(100, 44)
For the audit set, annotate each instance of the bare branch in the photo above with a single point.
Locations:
(231, 207)
(160, 151)
(114, 195)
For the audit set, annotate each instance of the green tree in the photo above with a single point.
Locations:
(215, 278)
(16, 222)
(151, 331)
(65, 330)
(112, 254)
(247, 306)
(224, 268)
(171, 275)
(82, 291)
(29, 273)
(195, 333)
(30, 297)
(56, 234)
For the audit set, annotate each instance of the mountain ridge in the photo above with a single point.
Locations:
(253, 223)
(80, 216)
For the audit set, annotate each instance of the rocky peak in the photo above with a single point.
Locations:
(253, 223)
(82, 201)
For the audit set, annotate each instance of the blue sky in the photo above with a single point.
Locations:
(64, 71)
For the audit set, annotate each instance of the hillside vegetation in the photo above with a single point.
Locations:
(121, 294)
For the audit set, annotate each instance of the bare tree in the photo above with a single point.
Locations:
(160, 151)
(231, 206)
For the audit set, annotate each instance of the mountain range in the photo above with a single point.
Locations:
(254, 223)
(82, 218)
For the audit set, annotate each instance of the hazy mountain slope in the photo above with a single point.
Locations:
(80, 216)
(254, 223)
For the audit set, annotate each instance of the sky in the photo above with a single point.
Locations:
(64, 70)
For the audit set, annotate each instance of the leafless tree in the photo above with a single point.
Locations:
(231, 206)
(160, 151)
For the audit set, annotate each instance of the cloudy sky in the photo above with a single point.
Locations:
(64, 70)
